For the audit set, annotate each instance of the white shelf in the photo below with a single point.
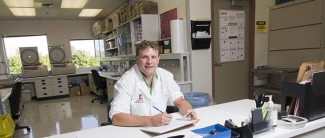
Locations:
(109, 31)
(112, 48)
(110, 39)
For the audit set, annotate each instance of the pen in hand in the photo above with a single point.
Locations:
(158, 109)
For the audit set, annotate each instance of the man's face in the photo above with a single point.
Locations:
(148, 61)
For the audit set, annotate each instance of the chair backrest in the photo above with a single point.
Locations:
(14, 99)
(97, 79)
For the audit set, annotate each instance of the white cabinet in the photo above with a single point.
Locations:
(6, 107)
(43, 87)
(49, 86)
(60, 86)
(92, 86)
(110, 88)
(185, 87)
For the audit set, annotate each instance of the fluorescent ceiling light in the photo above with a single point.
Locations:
(89, 12)
(23, 11)
(73, 3)
(19, 3)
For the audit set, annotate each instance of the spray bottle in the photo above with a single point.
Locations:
(273, 115)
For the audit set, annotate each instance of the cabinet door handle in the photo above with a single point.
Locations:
(43, 83)
(43, 80)
(60, 85)
(59, 81)
(44, 87)
(59, 78)
(60, 91)
(44, 93)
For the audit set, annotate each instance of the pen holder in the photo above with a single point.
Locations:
(258, 124)
(261, 127)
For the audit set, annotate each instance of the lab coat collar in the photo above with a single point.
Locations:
(142, 85)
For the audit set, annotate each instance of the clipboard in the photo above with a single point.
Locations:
(175, 124)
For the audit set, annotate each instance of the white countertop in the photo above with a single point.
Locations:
(5, 94)
(108, 75)
(237, 111)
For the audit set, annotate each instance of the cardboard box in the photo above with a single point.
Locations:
(108, 24)
(84, 90)
(74, 91)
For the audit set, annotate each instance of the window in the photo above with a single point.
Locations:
(13, 43)
(83, 53)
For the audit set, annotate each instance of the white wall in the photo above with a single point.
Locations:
(201, 60)
(59, 32)
(261, 39)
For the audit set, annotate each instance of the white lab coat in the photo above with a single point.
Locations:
(132, 95)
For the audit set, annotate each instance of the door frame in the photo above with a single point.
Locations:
(251, 46)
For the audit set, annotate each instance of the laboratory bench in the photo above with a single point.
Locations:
(57, 86)
(238, 111)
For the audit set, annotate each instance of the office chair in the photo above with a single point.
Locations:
(109, 121)
(14, 101)
(99, 85)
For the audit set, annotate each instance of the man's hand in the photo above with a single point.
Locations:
(161, 119)
(191, 113)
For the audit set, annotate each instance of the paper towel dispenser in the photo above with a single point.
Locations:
(200, 34)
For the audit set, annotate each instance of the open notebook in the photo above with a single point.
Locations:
(172, 126)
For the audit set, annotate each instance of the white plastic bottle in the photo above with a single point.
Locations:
(274, 113)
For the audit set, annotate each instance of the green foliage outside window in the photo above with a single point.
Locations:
(81, 60)
(15, 63)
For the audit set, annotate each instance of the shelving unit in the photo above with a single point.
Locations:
(273, 78)
(144, 27)
(124, 36)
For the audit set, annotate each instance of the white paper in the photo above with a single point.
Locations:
(173, 125)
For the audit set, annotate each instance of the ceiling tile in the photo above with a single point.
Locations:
(56, 3)
(5, 12)
(2, 4)
(110, 8)
(69, 12)
(47, 12)
(98, 4)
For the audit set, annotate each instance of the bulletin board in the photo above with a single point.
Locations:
(165, 19)
(231, 35)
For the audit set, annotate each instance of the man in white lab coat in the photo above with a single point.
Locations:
(142, 93)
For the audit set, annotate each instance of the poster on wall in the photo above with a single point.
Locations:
(231, 35)
(165, 19)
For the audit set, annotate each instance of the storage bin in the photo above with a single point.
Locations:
(197, 99)
(213, 131)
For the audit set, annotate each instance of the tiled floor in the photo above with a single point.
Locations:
(58, 116)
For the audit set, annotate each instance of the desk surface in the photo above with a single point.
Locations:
(237, 111)
(5, 94)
